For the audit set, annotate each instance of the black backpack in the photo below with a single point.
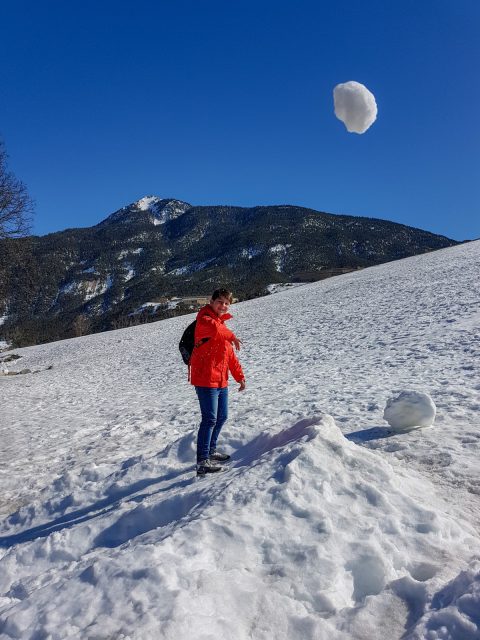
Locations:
(187, 342)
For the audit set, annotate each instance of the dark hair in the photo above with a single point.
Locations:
(222, 293)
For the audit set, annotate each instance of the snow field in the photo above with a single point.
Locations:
(271, 539)
(327, 524)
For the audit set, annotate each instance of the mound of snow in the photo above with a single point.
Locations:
(355, 106)
(454, 610)
(410, 409)
(303, 537)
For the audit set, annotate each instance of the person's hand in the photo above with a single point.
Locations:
(236, 342)
(242, 386)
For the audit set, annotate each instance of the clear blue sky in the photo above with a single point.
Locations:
(222, 102)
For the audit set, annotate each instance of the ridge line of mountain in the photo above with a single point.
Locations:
(135, 264)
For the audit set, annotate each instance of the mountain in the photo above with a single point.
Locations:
(147, 260)
(327, 525)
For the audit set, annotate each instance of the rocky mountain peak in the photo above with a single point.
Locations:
(150, 209)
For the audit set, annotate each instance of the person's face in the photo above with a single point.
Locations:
(220, 305)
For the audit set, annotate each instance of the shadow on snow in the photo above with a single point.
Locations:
(375, 433)
(99, 508)
(144, 517)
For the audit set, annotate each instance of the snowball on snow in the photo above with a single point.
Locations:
(355, 106)
(410, 409)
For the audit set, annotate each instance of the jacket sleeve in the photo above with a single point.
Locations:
(235, 366)
(208, 328)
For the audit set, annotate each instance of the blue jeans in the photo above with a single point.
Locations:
(214, 408)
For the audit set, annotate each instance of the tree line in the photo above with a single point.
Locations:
(16, 213)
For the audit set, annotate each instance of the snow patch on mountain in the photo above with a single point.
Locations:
(162, 210)
(126, 252)
(150, 307)
(130, 272)
(251, 252)
(191, 268)
(87, 289)
(147, 203)
(153, 209)
(280, 252)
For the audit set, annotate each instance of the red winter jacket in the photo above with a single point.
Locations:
(212, 359)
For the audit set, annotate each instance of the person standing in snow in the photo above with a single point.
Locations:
(212, 359)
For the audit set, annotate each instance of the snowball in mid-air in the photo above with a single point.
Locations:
(355, 106)
(410, 409)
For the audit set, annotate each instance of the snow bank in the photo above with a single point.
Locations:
(410, 409)
(302, 539)
(454, 610)
(355, 106)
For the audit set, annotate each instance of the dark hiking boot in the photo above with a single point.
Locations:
(207, 466)
(220, 457)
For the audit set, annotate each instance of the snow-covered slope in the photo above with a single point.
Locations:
(327, 525)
